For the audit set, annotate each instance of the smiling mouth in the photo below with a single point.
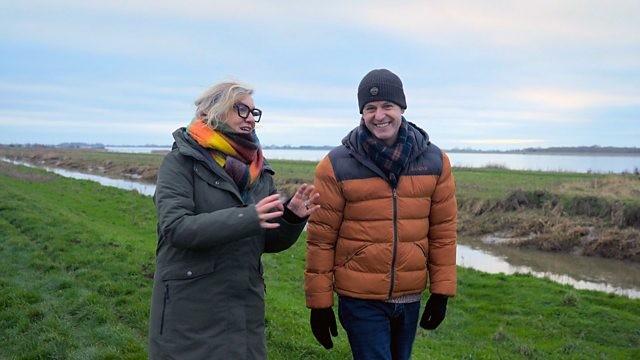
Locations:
(382, 125)
(246, 128)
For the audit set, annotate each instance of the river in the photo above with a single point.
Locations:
(572, 163)
(591, 273)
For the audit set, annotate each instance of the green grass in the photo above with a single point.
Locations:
(487, 183)
(76, 260)
(472, 183)
(492, 317)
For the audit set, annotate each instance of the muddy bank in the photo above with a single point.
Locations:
(139, 167)
(587, 226)
(618, 212)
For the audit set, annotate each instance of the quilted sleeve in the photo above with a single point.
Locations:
(322, 235)
(443, 233)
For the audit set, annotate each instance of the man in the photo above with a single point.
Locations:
(386, 228)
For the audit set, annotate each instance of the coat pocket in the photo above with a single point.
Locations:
(193, 300)
(423, 249)
(185, 271)
(351, 256)
(164, 307)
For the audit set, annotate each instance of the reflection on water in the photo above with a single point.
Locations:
(138, 149)
(144, 189)
(581, 272)
(561, 162)
(574, 163)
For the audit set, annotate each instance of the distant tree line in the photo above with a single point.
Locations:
(66, 145)
(301, 147)
(594, 149)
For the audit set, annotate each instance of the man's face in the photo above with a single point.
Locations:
(383, 119)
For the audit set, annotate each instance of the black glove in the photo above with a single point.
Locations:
(323, 322)
(434, 311)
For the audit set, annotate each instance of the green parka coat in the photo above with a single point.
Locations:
(208, 289)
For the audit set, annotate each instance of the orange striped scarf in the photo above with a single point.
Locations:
(239, 155)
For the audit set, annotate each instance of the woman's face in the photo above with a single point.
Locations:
(235, 122)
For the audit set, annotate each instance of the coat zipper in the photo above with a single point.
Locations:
(395, 240)
(164, 306)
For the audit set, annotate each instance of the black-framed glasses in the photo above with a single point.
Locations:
(244, 111)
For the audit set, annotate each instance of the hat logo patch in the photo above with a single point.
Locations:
(373, 91)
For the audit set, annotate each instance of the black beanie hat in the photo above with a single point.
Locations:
(381, 84)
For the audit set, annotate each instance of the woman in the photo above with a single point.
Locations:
(218, 211)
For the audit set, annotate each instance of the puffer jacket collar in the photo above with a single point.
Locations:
(352, 143)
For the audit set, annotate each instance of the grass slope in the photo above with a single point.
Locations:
(76, 260)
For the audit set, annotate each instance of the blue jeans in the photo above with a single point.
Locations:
(377, 329)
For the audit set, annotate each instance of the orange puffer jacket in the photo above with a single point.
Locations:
(370, 241)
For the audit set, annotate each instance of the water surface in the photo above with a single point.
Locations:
(571, 163)
(581, 272)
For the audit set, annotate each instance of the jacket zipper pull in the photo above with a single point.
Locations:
(393, 180)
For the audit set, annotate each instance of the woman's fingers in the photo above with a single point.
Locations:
(302, 188)
(268, 203)
(268, 199)
(303, 204)
(269, 207)
(310, 196)
(268, 225)
(300, 193)
(307, 191)
(270, 215)
(313, 208)
(265, 208)
(264, 219)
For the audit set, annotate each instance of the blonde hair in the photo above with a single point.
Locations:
(213, 105)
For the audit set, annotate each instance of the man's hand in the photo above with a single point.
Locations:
(434, 311)
(323, 326)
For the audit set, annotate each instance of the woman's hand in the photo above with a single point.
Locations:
(303, 201)
(265, 211)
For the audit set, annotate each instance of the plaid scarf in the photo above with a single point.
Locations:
(240, 155)
(390, 159)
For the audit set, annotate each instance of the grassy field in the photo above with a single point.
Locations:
(473, 183)
(588, 214)
(76, 261)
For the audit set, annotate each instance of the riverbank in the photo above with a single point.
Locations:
(585, 214)
(77, 261)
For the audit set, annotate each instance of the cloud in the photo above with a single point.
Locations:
(95, 87)
(139, 27)
(499, 70)
(500, 117)
(101, 37)
(309, 92)
(521, 142)
(573, 98)
(489, 105)
(513, 24)
(214, 10)
(302, 122)
(44, 123)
